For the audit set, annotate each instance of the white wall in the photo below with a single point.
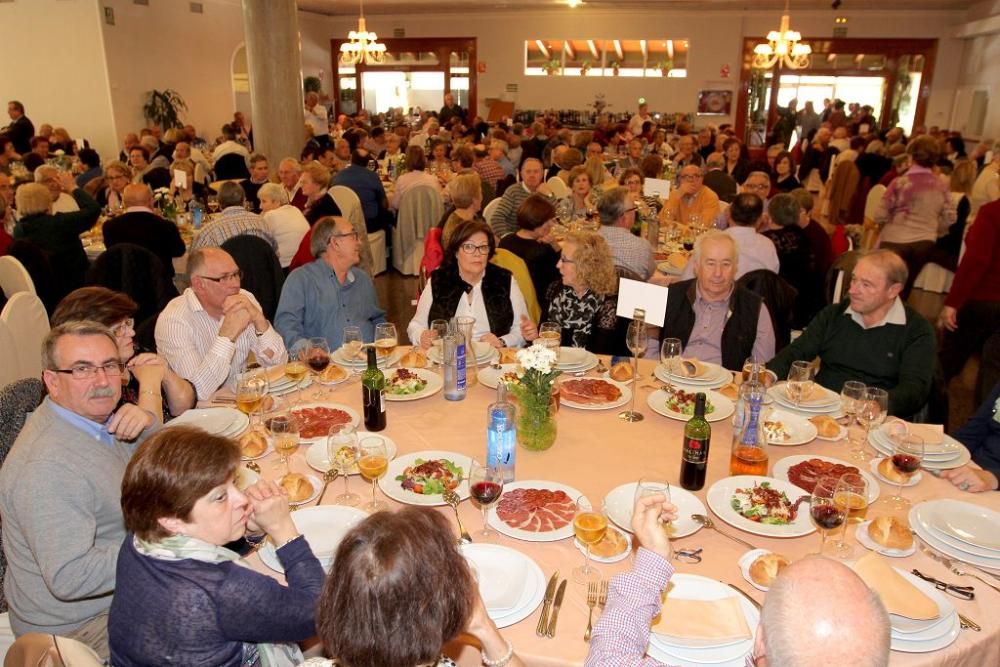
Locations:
(980, 68)
(53, 62)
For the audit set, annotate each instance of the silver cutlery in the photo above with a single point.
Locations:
(963, 573)
(708, 523)
(328, 477)
(550, 593)
(953, 566)
(560, 594)
(601, 368)
(744, 594)
(967, 623)
(593, 591)
(453, 500)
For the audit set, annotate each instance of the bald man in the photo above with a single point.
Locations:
(142, 226)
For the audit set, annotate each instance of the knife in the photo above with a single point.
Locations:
(550, 592)
(744, 594)
(551, 632)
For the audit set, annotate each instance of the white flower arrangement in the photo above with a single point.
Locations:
(537, 357)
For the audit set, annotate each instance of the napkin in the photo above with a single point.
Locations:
(931, 434)
(815, 393)
(501, 584)
(716, 620)
(275, 373)
(899, 596)
(691, 368)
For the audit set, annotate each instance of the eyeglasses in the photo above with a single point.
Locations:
(345, 235)
(473, 249)
(566, 260)
(121, 328)
(89, 372)
(759, 186)
(691, 177)
(633, 181)
(237, 274)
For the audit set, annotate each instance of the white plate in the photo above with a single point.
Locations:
(721, 493)
(284, 390)
(338, 358)
(487, 562)
(323, 526)
(913, 481)
(948, 448)
(577, 359)
(746, 560)
(392, 488)
(905, 646)
(781, 467)
(861, 534)
(933, 462)
(920, 522)
(972, 524)
(841, 434)
(602, 559)
(828, 399)
(318, 459)
(217, 421)
(963, 546)
(355, 418)
(331, 383)
(434, 384)
(719, 378)
(905, 626)
(245, 477)
(626, 396)
(620, 503)
(484, 352)
(490, 377)
(527, 535)
(317, 485)
(657, 400)
(800, 430)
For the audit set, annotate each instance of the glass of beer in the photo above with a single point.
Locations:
(590, 524)
(251, 389)
(851, 495)
(386, 340)
(373, 461)
(550, 335)
(285, 436)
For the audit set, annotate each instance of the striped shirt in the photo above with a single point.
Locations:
(233, 221)
(188, 338)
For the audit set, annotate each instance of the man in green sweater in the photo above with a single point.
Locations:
(873, 337)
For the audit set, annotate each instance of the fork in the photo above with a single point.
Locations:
(602, 595)
(964, 573)
(593, 592)
(453, 500)
(951, 565)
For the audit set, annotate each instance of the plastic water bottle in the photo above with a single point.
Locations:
(196, 214)
(453, 351)
(501, 434)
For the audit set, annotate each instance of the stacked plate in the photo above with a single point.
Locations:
(340, 358)
(949, 453)
(227, 422)
(575, 360)
(284, 385)
(511, 584)
(324, 527)
(485, 353)
(826, 402)
(686, 652)
(911, 636)
(714, 376)
(961, 530)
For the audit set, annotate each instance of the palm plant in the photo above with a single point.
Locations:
(163, 108)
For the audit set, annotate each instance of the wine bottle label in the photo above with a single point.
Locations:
(460, 366)
(695, 451)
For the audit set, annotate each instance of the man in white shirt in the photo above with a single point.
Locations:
(316, 118)
(289, 171)
(756, 251)
(207, 332)
(636, 122)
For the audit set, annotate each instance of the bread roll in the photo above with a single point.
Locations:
(887, 470)
(414, 359)
(508, 355)
(826, 426)
(765, 569)
(252, 444)
(891, 532)
(297, 486)
(613, 544)
(731, 391)
(333, 373)
(622, 371)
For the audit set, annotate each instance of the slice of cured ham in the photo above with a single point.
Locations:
(536, 510)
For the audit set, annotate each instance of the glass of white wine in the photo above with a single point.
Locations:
(550, 335)
(284, 429)
(342, 450)
(373, 461)
(386, 340)
(670, 354)
(590, 524)
(800, 381)
(296, 369)
(352, 347)
(251, 390)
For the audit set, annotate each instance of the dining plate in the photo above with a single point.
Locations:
(920, 520)
(317, 455)
(510, 583)
(744, 563)
(623, 398)
(607, 559)
(902, 625)
(782, 466)
(826, 399)
(285, 389)
(562, 516)
(484, 353)
(841, 434)
(948, 448)
(393, 488)
(720, 496)
(340, 358)
(313, 413)
(957, 453)
(719, 378)
(972, 524)
(620, 503)
(797, 429)
(724, 407)
(490, 375)
(862, 536)
(217, 421)
(960, 545)
(434, 384)
(323, 526)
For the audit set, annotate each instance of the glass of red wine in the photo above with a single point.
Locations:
(826, 514)
(317, 356)
(485, 486)
(907, 457)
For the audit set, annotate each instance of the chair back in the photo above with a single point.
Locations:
(28, 322)
(40, 650)
(231, 165)
(136, 271)
(838, 278)
(779, 297)
(36, 262)
(159, 177)
(420, 209)
(873, 200)
(262, 273)
(489, 210)
(14, 277)
(10, 365)
(503, 184)
(558, 187)
(350, 207)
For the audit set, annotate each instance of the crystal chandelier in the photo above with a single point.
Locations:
(783, 48)
(363, 45)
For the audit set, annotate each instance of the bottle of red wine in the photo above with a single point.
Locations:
(694, 458)
(373, 394)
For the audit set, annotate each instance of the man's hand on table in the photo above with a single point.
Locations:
(973, 480)
(650, 513)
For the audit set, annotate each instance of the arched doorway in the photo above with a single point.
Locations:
(241, 81)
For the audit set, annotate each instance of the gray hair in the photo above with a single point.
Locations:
(45, 172)
(761, 174)
(322, 232)
(71, 328)
(895, 269)
(612, 205)
(715, 235)
(274, 192)
(715, 161)
(784, 210)
(231, 194)
(32, 198)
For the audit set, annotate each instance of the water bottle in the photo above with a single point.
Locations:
(501, 434)
(196, 214)
(453, 351)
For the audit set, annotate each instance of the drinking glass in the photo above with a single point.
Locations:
(850, 395)
(373, 461)
(651, 486)
(907, 455)
(251, 389)
(852, 496)
(590, 525)
(825, 513)
(670, 354)
(439, 329)
(352, 347)
(636, 341)
(213, 203)
(550, 335)
(856, 437)
(800, 381)
(485, 486)
(386, 339)
(873, 409)
(296, 369)
(342, 450)
(318, 358)
(285, 435)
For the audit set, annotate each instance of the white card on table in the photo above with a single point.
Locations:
(634, 294)
(180, 179)
(656, 186)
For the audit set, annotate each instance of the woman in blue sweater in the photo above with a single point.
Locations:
(181, 598)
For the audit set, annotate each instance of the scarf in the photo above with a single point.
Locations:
(182, 547)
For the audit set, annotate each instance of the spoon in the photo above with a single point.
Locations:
(453, 500)
(328, 477)
(708, 523)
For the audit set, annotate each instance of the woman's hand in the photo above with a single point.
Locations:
(426, 338)
(973, 480)
(948, 319)
(149, 369)
(482, 627)
(647, 523)
(269, 511)
(529, 330)
(492, 340)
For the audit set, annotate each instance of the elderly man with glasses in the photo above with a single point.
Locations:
(319, 299)
(633, 255)
(207, 333)
(692, 203)
(59, 489)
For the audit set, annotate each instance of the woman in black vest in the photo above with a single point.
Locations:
(467, 283)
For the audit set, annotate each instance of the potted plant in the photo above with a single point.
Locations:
(163, 108)
(615, 67)
(536, 425)
(665, 66)
(585, 67)
(552, 66)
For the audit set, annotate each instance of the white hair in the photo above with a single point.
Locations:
(715, 235)
(274, 192)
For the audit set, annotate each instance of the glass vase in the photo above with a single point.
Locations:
(536, 426)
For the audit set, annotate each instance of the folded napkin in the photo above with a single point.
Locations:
(815, 393)
(690, 368)
(931, 434)
(714, 620)
(899, 596)
(275, 373)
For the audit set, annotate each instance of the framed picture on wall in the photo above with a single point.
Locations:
(715, 102)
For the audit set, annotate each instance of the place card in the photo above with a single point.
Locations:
(656, 187)
(634, 294)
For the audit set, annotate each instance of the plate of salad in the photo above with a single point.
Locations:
(761, 505)
(421, 477)
(411, 384)
(679, 404)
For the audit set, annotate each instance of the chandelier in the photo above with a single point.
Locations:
(783, 48)
(363, 45)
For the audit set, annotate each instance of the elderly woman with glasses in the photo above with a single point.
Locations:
(468, 284)
(148, 381)
(116, 175)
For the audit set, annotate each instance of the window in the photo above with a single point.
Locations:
(654, 58)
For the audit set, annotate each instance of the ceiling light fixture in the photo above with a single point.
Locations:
(783, 48)
(363, 45)
(574, 3)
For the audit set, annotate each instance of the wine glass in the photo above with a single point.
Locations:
(826, 514)
(871, 411)
(486, 485)
(352, 346)
(550, 335)
(800, 381)
(296, 368)
(907, 455)
(213, 203)
(636, 341)
(852, 496)
(342, 450)
(850, 395)
(386, 339)
(651, 486)
(251, 389)
(318, 357)
(439, 329)
(285, 435)
(670, 354)
(373, 461)
(590, 525)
